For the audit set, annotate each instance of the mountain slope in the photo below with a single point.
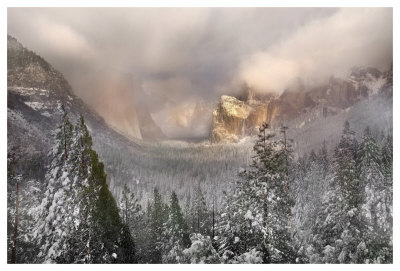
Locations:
(27, 69)
(34, 91)
(300, 104)
(179, 166)
(33, 116)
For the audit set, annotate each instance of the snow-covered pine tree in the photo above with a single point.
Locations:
(226, 228)
(115, 235)
(352, 249)
(300, 191)
(387, 161)
(324, 160)
(52, 231)
(310, 181)
(175, 233)
(337, 233)
(376, 205)
(21, 218)
(187, 210)
(257, 216)
(328, 226)
(248, 216)
(85, 195)
(271, 164)
(103, 238)
(387, 165)
(201, 251)
(78, 218)
(13, 209)
(132, 215)
(158, 215)
(201, 218)
(234, 233)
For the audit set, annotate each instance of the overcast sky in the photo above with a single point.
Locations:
(179, 55)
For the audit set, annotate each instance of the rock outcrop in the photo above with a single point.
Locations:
(234, 118)
(25, 68)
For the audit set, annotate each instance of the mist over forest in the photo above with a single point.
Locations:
(200, 135)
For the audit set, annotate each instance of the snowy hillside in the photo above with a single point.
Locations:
(316, 191)
(312, 129)
(35, 90)
(301, 103)
(32, 116)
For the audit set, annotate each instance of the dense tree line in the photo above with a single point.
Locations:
(324, 207)
(76, 219)
(321, 208)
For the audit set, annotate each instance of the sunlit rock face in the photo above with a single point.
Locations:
(232, 119)
(229, 119)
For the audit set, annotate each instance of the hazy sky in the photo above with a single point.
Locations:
(176, 56)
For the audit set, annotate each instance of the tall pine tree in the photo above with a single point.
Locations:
(375, 209)
(175, 233)
(53, 230)
(78, 218)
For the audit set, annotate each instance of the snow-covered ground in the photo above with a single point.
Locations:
(174, 165)
(180, 165)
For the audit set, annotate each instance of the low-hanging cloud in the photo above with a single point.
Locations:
(324, 47)
(179, 55)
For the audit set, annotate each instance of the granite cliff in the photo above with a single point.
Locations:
(235, 118)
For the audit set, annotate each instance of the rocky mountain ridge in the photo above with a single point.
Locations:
(34, 92)
(235, 118)
(26, 69)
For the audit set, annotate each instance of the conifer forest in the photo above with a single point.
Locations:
(200, 135)
(324, 207)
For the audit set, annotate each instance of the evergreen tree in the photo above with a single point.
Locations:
(53, 228)
(324, 161)
(251, 208)
(201, 251)
(259, 211)
(107, 239)
(309, 186)
(235, 235)
(11, 244)
(201, 218)
(86, 196)
(376, 213)
(158, 216)
(175, 234)
(13, 209)
(78, 218)
(311, 182)
(271, 164)
(23, 196)
(226, 228)
(387, 160)
(133, 216)
(345, 175)
(345, 167)
(339, 223)
(387, 165)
